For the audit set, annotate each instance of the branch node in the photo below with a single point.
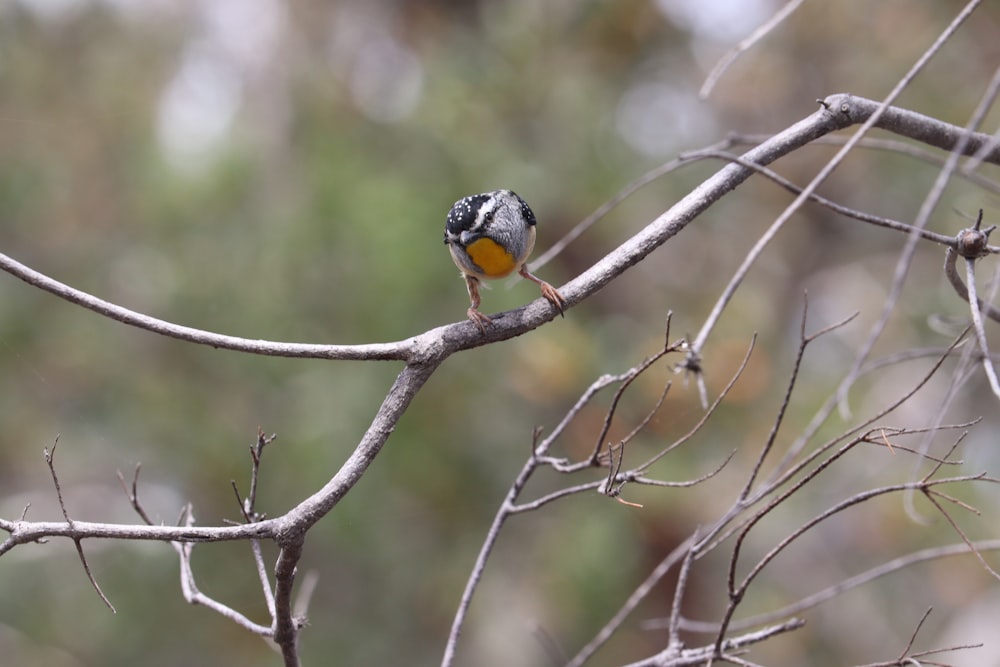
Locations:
(972, 243)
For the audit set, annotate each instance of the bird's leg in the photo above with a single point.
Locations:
(480, 320)
(548, 291)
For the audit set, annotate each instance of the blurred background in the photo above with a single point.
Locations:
(282, 170)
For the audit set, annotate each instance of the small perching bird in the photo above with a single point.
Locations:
(491, 235)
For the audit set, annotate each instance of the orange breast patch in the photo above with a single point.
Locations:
(491, 258)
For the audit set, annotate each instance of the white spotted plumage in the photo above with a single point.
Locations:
(508, 222)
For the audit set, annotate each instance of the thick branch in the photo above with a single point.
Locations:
(924, 129)
(315, 507)
(837, 112)
(22, 532)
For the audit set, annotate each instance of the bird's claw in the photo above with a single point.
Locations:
(480, 320)
(553, 296)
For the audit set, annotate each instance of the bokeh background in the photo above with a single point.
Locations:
(282, 170)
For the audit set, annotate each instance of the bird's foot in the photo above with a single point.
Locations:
(480, 320)
(553, 296)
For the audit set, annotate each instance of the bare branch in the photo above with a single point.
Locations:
(256, 453)
(132, 493)
(705, 417)
(787, 469)
(637, 596)
(24, 532)
(950, 272)
(818, 598)
(913, 637)
(287, 625)
(507, 508)
(705, 655)
(638, 479)
(733, 54)
(674, 642)
(962, 142)
(77, 541)
(804, 341)
(881, 114)
(977, 325)
(863, 216)
(969, 543)
(888, 145)
(193, 595)
(907, 657)
(631, 375)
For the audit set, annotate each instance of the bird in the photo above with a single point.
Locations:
(490, 236)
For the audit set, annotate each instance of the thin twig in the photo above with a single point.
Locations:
(950, 272)
(189, 587)
(840, 209)
(898, 147)
(977, 325)
(804, 341)
(507, 508)
(631, 375)
(706, 416)
(637, 596)
(674, 635)
(907, 658)
(737, 591)
(747, 43)
(77, 541)
(969, 543)
(706, 655)
(635, 478)
(248, 506)
(385, 351)
(788, 468)
(310, 581)
(256, 454)
(827, 594)
(532, 505)
(927, 206)
(132, 493)
(913, 637)
(833, 163)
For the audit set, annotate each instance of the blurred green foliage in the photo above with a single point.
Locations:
(282, 171)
